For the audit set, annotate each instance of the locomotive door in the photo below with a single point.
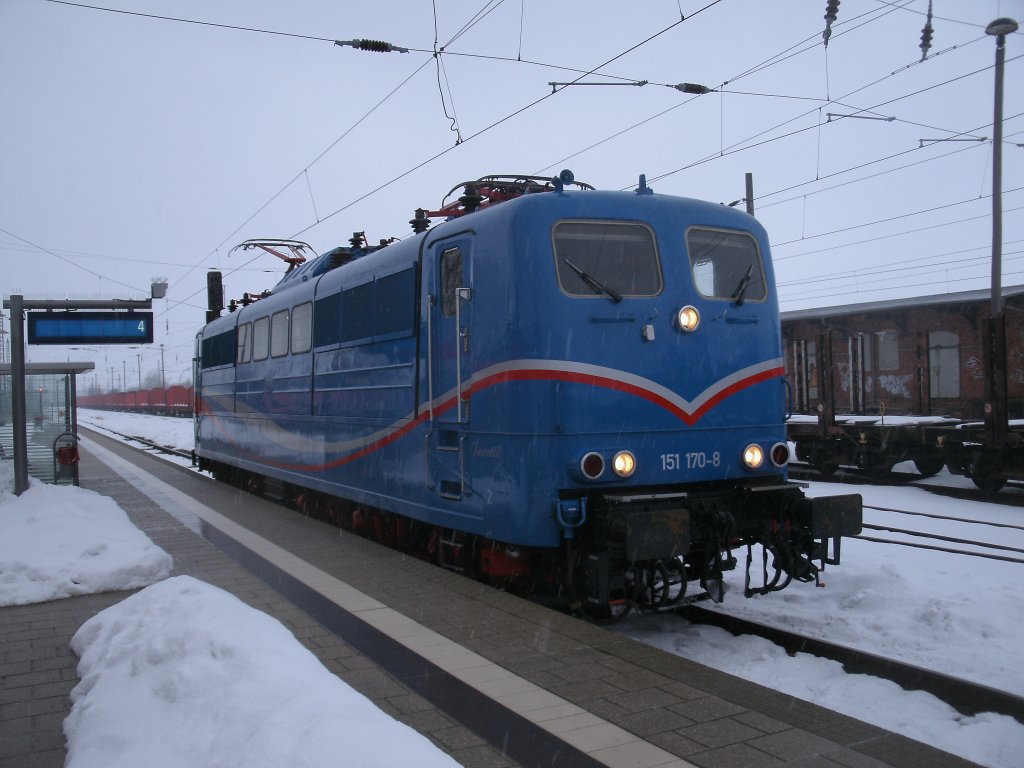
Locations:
(450, 311)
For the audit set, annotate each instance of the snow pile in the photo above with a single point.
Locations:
(183, 673)
(60, 541)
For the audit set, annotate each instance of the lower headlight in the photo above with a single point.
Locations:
(624, 464)
(780, 454)
(753, 456)
(592, 466)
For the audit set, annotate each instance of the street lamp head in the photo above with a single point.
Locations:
(1002, 26)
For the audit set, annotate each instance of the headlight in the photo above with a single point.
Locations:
(624, 464)
(753, 456)
(592, 466)
(688, 318)
(780, 454)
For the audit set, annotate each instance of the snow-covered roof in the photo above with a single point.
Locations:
(961, 297)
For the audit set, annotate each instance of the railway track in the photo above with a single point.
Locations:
(171, 451)
(964, 696)
(984, 549)
(850, 475)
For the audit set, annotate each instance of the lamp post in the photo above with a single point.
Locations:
(996, 413)
(999, 28)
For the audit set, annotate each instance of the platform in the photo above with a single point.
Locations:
(492, 679)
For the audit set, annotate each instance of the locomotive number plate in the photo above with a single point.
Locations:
(691, 460)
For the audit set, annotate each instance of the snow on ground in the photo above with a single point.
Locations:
(958, 615)
(168, 431)
(60, 541)
(183, 673)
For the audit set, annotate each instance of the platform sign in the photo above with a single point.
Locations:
(90, 327)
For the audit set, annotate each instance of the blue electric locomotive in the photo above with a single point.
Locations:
(575, 387)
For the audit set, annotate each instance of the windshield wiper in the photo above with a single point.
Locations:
(593, 283)
(742, 287)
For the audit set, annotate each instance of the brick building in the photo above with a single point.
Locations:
(906, 356)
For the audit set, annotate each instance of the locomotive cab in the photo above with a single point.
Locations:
(630, 348)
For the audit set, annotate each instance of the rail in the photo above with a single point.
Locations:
(964, 696)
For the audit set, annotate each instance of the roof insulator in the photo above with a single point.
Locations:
(831, 14)
(419, 222)
(376, 46)
(926, 34)
(472, 199)
(693, 88)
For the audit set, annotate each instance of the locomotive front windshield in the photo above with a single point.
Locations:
(606, 259)
(726, 265)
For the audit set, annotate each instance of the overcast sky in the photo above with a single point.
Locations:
(134, 147)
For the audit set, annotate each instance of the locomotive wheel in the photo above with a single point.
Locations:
(929, 466)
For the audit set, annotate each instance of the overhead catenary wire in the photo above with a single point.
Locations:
(364, 117)
(921, 263)
(418, 166)
(883, 237)
(743, 146)
(875, 277)
(771, 61)
(504, 119)
(888, 219)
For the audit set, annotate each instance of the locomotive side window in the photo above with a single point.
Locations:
(279, 334)
(451, 280)
(326, 322)
(396, 304)
(244, 354)
(726, 265)
(357, 312)
(261, 339)
(218, 350)
(302, 328)
(606, 259)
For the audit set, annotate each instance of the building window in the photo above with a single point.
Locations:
(943, 364)
(888, 351)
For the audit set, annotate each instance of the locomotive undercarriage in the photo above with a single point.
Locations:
(623, 552)
(640, 551)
